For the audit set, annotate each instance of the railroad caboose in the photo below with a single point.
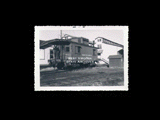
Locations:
(73, 52)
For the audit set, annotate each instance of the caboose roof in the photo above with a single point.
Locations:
(82, 44)
(48, 43)
(115, 56)
(84, 39)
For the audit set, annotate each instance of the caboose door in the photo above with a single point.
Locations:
(56, 53)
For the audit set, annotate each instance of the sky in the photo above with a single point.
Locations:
(113, 35)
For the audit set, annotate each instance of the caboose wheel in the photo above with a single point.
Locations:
(60, 65)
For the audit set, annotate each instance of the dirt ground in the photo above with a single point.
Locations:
(96, 76)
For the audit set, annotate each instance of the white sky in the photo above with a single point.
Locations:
(113, 35)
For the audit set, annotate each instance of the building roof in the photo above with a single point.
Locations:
(48, 43)
(115, 56)
(42, 42)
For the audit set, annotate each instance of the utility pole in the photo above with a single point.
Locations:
(93, 43)
(62, 45)
(61, 35)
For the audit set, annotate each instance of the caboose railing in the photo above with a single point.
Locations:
(107, 62)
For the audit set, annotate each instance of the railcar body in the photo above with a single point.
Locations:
(71, 52)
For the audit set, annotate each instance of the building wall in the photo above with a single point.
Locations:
(122, 62)
(115, 62)
(45, 56)
(66, 54)
(107, 49)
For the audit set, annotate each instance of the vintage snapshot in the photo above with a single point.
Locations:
(81, 58)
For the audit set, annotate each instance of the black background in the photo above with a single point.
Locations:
(98, 21)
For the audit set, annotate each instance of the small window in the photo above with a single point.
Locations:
(67, 49)
(99, 46)
(78, 49)
(98, 54)
(99, 40)
(51, 53)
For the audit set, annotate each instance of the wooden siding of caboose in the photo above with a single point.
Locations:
(66, 53)
(116, 61)
(85, 51)
(77, 40)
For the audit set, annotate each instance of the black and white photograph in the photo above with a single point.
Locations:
(79, 58)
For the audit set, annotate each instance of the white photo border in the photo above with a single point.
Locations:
(37, 86)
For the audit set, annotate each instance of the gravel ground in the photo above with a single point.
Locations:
(96, 76)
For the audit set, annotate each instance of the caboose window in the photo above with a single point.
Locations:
(79, 40)
(67, 49)
(51, 53)
(77, 49)
(94, 52)
(98, 54)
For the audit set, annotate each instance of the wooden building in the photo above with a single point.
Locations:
(116, 61)
(105, 48)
